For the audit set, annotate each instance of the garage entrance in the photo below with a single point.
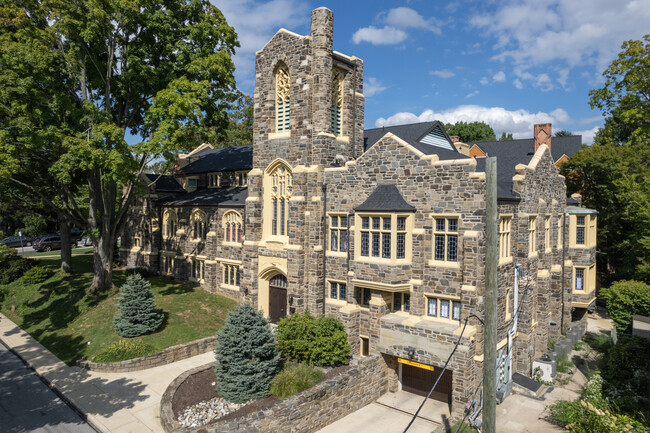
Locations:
(418, 379)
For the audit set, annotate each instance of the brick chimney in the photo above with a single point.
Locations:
(542, 135)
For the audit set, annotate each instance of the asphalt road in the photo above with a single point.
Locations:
(28, 405)
(25, 250)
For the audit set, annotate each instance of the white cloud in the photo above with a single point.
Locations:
(371, 87)
(518, 122)
(563, 34)
(518, 84)
(255, 23)
(474, 93)
(588, 134)
(485, 81)
(499, 77)
(396, 21)
(443, 73)
(379, 36)
(404, 18)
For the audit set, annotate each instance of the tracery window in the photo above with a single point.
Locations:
(281, 191)
(170, 224)
(232, 226)
(282, 99)
(337, 100)
(199, 224)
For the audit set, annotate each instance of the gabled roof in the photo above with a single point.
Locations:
(164, 182)
(222, 159)
(509, 153)
(222, 197)
(385, 198)
(413, 134)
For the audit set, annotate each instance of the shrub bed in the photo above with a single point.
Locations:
(123, 350)
(295, 378)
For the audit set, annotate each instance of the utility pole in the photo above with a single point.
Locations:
(490, 326)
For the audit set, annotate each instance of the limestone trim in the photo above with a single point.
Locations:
(228, 261)
(384, 287)
(446, 240)
(442, 308)
(233, 226)
(391, 231)
(583, 304)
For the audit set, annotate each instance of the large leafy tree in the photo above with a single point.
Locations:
(471, 131)
(117, 85)
(614, 174)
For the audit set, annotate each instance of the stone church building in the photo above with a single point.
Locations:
(382, 228)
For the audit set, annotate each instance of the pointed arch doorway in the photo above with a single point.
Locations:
(277, 297)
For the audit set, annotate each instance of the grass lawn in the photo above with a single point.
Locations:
(57, 253)
(72, 324)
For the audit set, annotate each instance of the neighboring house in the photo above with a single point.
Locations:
(381, 228)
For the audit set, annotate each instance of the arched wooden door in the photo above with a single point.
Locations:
(277, 298)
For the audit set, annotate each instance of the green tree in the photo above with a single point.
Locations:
(471, 131)
(506, 137)
(137, 312)
(625, 299)
(247, 359)
(158, 72)
(240, 122)
(625, 97)
(563, 133)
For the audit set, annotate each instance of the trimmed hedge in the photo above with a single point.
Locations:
(12, 266)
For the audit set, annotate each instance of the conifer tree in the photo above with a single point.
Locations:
(138, 314)
(247, 359)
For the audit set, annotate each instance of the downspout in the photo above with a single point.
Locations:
(324, 223)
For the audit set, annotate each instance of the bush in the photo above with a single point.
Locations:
(295, 378)
(322, 341)
(138, 314)
(123, 350)
(625, 373)
(37, 275)
(12, 266)
(625, 299)
(247, 359)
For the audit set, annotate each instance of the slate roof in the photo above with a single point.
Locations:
(164, 182)
(509, 153)
(385, 198)
(223, 197)
(412, 133)
(222, 159)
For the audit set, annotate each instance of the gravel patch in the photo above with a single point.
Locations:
(204, 412)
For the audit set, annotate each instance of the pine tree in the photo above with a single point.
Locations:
(247, 359)
(138, 314)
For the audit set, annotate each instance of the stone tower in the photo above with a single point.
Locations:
(308, 106)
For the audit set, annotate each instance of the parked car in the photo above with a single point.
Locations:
(17, 241)
(50, 242)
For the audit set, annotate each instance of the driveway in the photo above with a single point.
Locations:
(28, 405)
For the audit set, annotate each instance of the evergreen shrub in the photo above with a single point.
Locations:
(137, 312)
(247, 358)
(322, 341)
(12, 266)
(295, 378)
(625, 299)
(37, 275)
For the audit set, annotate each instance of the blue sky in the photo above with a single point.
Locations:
(509, 63)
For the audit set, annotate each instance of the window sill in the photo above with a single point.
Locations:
(380, 261)
(230, 287)
(337, 302)
(276, 135)
(505, 261)
(532, 255)
(444, 264)
(441, 320)
(232, 244)
(342, 254)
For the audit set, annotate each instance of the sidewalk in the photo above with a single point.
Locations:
(112, 402)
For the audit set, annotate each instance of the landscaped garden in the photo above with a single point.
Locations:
(73, 324)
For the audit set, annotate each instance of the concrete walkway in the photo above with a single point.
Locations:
(111, 402)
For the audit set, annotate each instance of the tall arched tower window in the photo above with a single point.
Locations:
(199, 225)
(282, 98)
(232, 226)
(170, 223)
(280, 188)
(337, 100)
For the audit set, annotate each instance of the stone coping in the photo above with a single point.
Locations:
(307, 411)
(166, 356)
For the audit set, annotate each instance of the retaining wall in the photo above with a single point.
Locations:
(167, 356)
(306, 412)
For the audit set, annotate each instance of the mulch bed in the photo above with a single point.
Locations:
(199, 387)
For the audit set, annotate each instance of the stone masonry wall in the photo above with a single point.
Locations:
(305, 412)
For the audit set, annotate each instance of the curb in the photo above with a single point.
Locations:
(70, 403)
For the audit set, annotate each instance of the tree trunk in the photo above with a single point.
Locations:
(66, 250)
(102, 264)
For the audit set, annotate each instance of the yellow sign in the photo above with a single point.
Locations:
(414, 364)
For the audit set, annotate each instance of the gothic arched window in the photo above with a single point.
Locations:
(282, 98)
(281, 189)
(199, 224)
(337, 101)
(170, 224)
(232, 227)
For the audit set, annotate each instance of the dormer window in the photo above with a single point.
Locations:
(282, 98)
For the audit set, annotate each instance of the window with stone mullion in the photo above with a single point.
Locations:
(446, 239)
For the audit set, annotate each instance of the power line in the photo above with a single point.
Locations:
(415, 415)
(468, 410)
